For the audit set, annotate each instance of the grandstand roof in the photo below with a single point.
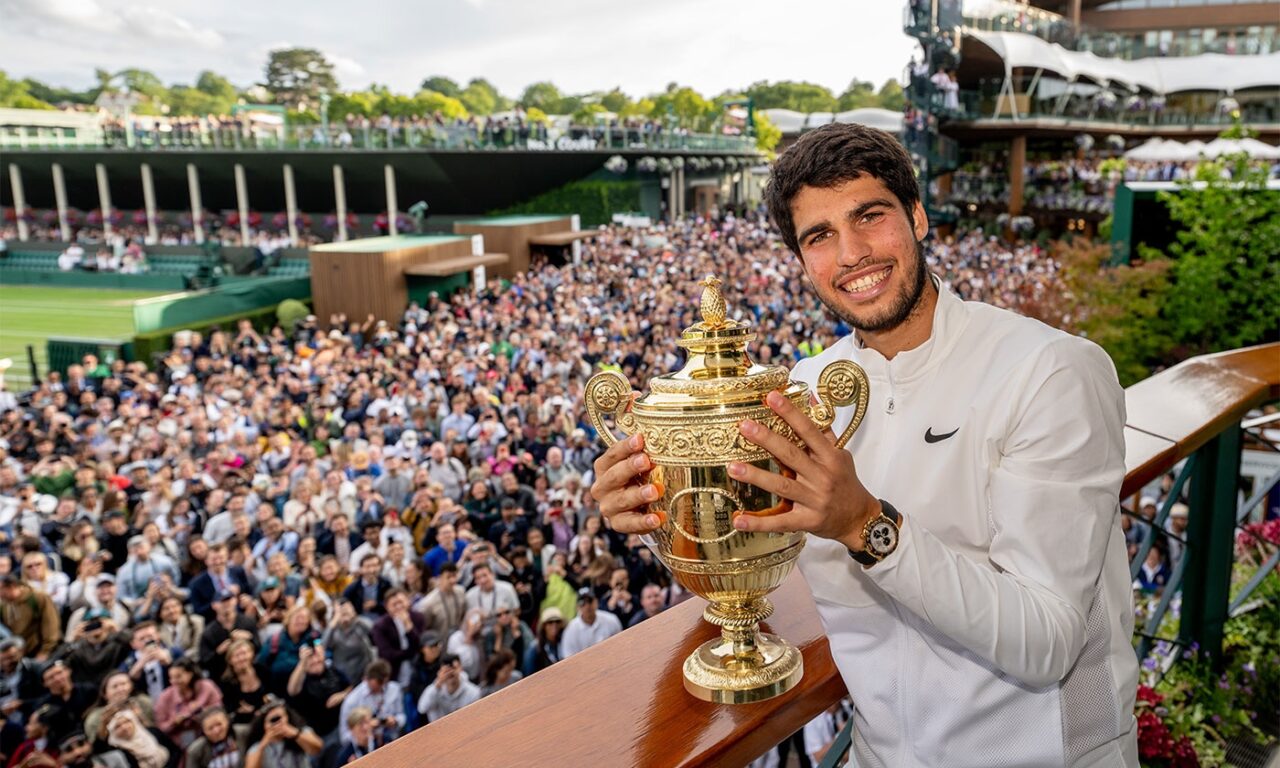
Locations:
(1206, 72)
(790, 121)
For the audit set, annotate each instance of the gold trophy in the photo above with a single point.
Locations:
(690, 424)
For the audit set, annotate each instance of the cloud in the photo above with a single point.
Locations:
(159, 24)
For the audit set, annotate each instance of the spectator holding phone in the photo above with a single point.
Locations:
(279, 738)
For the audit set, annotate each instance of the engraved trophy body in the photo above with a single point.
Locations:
(690, 423)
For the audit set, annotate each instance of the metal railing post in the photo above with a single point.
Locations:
(1206, 589)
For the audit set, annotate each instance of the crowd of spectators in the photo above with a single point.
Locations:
(514, 128)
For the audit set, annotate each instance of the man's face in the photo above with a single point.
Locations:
(215, 728)
(106, 594)
(143, 637)
(651, 599)
(861, 252)
(587, 610)
(484, 579)
(216, 560)
(447, 535)
(370, 568)
(9, 659)
(142, 550)
(446, 581)
(57, 680)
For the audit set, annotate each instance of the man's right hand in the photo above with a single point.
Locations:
(621, 490)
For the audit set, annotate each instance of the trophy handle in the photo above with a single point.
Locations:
(842, 383)
(609, 392)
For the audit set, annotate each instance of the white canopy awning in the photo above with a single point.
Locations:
(791, 122)
(1206, 72)
(1161, 149)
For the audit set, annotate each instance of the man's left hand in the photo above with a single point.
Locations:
(829, 499)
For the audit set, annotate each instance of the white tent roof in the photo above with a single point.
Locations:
(1206, 72)
(1160, 149)
(791, 122)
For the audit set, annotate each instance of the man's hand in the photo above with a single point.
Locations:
(830, 501)
(621, 490)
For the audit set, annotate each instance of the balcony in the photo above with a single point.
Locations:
(622, 702)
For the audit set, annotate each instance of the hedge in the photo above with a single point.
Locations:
(595, 200)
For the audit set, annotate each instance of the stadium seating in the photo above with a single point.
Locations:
(291, 268)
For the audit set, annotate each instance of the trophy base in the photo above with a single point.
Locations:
(714, 673)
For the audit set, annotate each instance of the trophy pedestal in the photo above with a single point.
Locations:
(743, 665)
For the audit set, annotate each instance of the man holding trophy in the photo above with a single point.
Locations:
(967, 559)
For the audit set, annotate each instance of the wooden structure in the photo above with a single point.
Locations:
(373, 275)
(623, 703)
(515, 236)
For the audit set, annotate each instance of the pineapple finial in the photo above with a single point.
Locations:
(713, 306)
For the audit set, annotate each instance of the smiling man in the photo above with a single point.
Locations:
(967, 558)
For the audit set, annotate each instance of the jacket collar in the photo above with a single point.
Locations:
(949, 320)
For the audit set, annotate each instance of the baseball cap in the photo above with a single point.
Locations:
(222, 594)
(105, 578)
(585, 595)
(271, 582)
(550, 613)
(1179, 510)
(431, 637)
(1146, 501)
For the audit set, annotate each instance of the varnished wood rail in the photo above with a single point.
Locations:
(622, 703)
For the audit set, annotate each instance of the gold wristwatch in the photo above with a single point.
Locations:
(879, 536)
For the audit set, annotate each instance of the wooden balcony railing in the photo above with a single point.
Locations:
(622, 702)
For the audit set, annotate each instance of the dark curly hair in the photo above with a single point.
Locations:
(834, 154)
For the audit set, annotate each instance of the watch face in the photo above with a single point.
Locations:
(882, 538)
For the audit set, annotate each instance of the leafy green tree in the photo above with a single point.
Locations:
(1117, 307)
(640, 108)
(1225, 258)
(480, 98)
(144, 83)
(357, 103)
(788, 94)
(891, 96)
(297, 75)
(615, 101)
(430, 102)
(54, 95)
(689, 107)
(216, 86)
(16, 94)
(481, 85)
(443, 85)
(544, 95)
(767, 134)
(185, 100)
(859, 94)
(586, 114)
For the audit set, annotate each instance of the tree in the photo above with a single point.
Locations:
(480, 97)
(787, 94)
(767, 134)
(689, 107)
(430, 102)
(216, 85)
(586, 114)
(544, 95)
(295, 75)
(1225, 258)
(53, 95)
(1117, 307)
(443, 85)
(859, 94)
(615, 101)
(891, 96)
(16, 94)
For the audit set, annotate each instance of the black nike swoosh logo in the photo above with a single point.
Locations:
(929, 437)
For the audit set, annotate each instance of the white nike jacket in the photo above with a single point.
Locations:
(998, 633)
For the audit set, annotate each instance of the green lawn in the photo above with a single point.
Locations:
(30, 314)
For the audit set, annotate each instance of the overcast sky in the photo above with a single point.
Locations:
(581, 45)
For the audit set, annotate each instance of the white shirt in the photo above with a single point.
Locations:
(437, 701)
(999, 630)
(580, 635)
(503, 595)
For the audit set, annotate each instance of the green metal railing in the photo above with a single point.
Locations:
(397, 137)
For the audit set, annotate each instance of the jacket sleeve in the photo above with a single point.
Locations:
(50, 625)
(1052, 505)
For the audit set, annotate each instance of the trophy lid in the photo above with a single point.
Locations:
(718, 370)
